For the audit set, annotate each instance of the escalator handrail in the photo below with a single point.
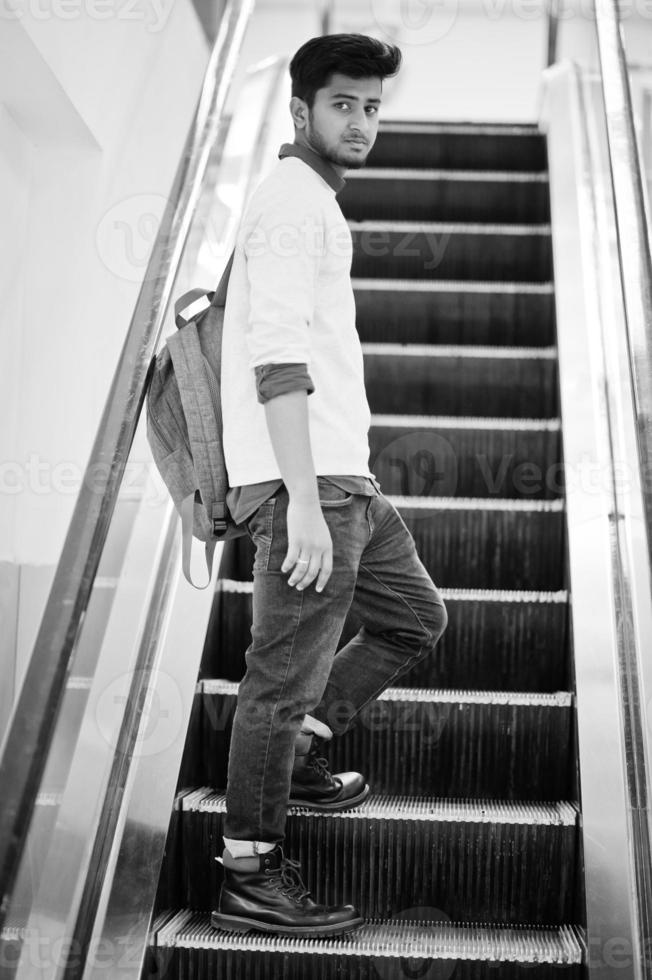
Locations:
(553, 32)
(632, 233)
(24, 749)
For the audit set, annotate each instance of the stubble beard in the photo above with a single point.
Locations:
(317, 142)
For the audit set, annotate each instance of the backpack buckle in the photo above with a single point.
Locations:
(219, 526)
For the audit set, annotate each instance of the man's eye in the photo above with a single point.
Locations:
(338, 105)
(371, 109)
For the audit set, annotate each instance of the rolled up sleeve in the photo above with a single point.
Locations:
(279, 379)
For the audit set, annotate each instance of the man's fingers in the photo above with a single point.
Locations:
(298, 571)
(290, 559)
(325, 572)
(307, 573)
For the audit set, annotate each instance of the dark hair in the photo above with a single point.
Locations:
(355, 55)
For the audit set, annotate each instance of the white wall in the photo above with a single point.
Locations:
(95, 101)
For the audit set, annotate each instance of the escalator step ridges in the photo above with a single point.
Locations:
(560, 597)
(557, 813)
(450, 227)
(466, 351)
(560, 699)
(453, 285)
(477, 503)
(393, 939)
(417, 173)
(528, 130)
(466, 422)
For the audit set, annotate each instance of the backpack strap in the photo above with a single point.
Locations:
(216, 298)
(219, 296)
(204, 421)
(187, 521)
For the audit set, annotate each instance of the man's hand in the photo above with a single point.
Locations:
(310, 549)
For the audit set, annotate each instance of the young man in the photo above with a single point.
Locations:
(296, 423)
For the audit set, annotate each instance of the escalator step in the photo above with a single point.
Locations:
(494, 640)
(425, 455)
(477, 543)
(475, 861)
(431, 379)
(185, 946)
(451, 250)
(445, 195)
(471, 744)
(465, 146)
(454, 312)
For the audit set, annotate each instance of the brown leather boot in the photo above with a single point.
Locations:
(275, 899)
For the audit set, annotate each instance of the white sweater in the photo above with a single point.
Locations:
(290, 301)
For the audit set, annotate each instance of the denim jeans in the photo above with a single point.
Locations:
(292, 668)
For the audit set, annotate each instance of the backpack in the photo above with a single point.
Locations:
(184, 423)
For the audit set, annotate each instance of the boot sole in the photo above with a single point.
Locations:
(337, 805)
(236, 923)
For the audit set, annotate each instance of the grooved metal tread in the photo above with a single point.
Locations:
(460, 128)
(558, 813)
(416, 173)
(389, 938)
(560, 597)
(467, 422)
(454, 227)
(478, 503)
(467, 351)
(453, 285)
(556, 699)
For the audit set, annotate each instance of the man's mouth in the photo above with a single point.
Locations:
(356, 142)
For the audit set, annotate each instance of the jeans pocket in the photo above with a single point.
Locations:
(260, 526)
(332, 496)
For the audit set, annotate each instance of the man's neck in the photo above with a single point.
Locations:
(300, 140)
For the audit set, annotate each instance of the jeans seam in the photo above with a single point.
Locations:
(271, 726)
(370, 521)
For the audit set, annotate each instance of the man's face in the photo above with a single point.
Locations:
(343, 122)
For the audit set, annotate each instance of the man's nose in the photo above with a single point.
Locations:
(359, 123)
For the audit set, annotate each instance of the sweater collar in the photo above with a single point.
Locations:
(318, 164)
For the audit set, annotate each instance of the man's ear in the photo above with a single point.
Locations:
(299, 112)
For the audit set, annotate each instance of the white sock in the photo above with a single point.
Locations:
(316, 727)
(247, 848)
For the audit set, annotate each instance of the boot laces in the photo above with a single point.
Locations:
(288, 879)
(320, 765)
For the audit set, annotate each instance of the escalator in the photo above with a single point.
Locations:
(508, 828)
(466, 860)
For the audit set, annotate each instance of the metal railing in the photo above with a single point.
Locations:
(632, 231)
(24, 750)
(622, 330)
